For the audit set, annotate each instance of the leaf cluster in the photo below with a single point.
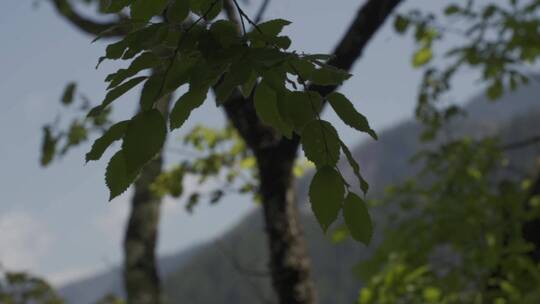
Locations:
(189, 50)
(457, 234)
(495, 39)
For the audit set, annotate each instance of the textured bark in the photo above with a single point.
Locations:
(289, 263)
(141, 276)
(141, 279)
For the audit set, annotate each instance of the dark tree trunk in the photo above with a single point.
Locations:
(289, 262)
(141, 277)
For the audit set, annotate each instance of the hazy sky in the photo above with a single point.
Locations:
(56, 221)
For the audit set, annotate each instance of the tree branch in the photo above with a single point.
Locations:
(369, 19)
(86, 25)
(261, 11)
(522, 143)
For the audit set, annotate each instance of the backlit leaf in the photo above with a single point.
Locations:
(144, 139)
(320, 143)
(69, 92)
(48, 146)
(144, 61)
(115, 93)
(357, 218)
(348, 114)
(301, 108)
(115, 132)
(178, 11)
(356, 168)
(185, 104)
(116, 176)
(326, 193)
(146, 9)
(152, 91)
(422, 56)
(267, 109)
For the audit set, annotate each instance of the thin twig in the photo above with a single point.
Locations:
(522, 143)
(180, 41)
(236, 265)
(261, 12)
(241, 16)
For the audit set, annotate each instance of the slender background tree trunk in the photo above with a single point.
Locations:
(141, 277)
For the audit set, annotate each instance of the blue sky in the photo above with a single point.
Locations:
(57, 221)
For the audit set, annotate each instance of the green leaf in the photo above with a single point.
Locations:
(117, 49)
(146, 9)
(209, 9)
(451, 10)
(422, 56)
(115, 93)
(266, 106)
(48, 147)
(144, 138)
(326, 193)
(116, 175)
(239, 74)
(357, 218)
(247, 88)
(320, 143)
(303, 67)
(116, 6)
(185, 104)
(225, 32)
(69, 92)
(348, 114)
(401, 24)
(77, 133)
(266, 33)
(144, 61)
(329, 75)
(268, 28)
(301, 107)
(152, 91)
(356, 168)
(495, 90)
(180, 71)
(178, 11)
(101, 144)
